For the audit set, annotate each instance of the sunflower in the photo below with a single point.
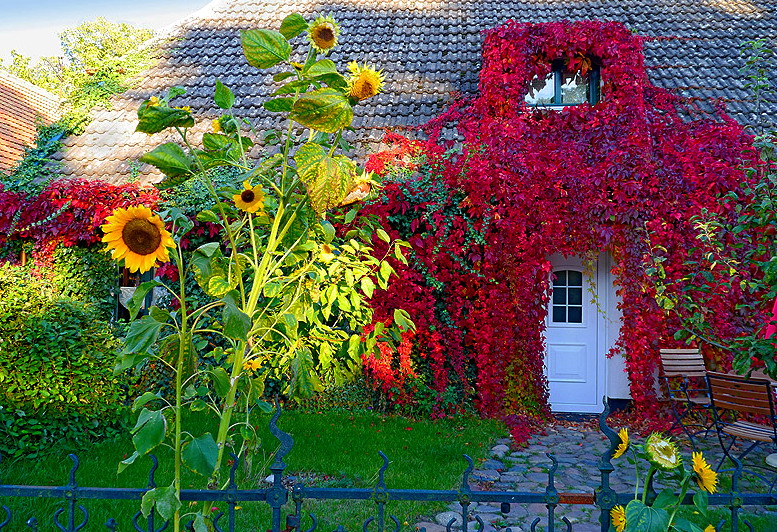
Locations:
(709, 528)
(618, 516)
(624, 444)
(216, 125)
(662, 452)
(138, 236)
(323, 33)
(252, 365)
(706, 478)
(250, 199)
(365, 82)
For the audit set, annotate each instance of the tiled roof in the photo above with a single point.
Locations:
(21, 105)
(428, 50)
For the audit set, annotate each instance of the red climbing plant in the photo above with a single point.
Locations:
(624, 176)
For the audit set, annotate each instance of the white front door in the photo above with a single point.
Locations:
(574, 359)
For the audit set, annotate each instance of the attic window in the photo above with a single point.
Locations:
(562, 87)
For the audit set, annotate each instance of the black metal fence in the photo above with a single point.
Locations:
(288, 502)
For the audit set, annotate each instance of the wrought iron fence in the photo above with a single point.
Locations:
(74, 515)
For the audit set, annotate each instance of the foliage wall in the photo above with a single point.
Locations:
(624, 176)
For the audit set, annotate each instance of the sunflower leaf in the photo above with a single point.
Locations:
(172, 161)
(141, 335)
(223, 96)
(308, 157)
(644, 518)
(293, 25)
(236, 322)
(323, 66)
(264, 48)
(149, 430)
(326, 110)
(279, 105)
(200, 454)
(156, 118)
(135, 303)
(303, 379)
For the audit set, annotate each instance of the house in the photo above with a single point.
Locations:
(430, 52)
(22, 106)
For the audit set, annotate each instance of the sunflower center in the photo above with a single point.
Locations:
(364, 89)
(325, 37)
(247, 196)
(141, 236)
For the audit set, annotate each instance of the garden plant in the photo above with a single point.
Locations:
(287, 296)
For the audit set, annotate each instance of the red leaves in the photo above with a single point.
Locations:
(532, 183)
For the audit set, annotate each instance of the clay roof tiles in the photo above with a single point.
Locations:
(428, 50)
(22, 106)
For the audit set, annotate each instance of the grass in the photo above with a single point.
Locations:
(335, 449)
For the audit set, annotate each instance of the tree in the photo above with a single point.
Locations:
(99, 58)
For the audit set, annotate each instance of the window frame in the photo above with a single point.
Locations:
(558, 69)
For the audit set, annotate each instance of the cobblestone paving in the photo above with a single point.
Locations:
(577, 449)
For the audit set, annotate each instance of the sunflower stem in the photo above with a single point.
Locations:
(182, 341)
(648, 482)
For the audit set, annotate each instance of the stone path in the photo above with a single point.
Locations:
(577, 447)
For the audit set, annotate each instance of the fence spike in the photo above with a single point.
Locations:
(152, 471)
(449, 526)
(381, 473)
(481, 524)
(7, 516)
(367, 523)
(467, 472)
(287, 442)
(32, 523)
(568, 523)
(534, 524)
(76, 464)
(315, 523)
(216, 526)
(397, 526)
(111, 524)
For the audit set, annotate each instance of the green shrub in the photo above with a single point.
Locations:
(56, 378)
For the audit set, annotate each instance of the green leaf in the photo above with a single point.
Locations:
(264, 48)
(171, 160)
(293, 25)
(368, 286)
(208, 216)
(280, 76)
(279, 105)
(236, 322)
(403, 320)
(701, 500)
(334, 80)
(220, 381)
(304, 381)
(149, 430)
(156, 118)
(323, 66)
(646, 519)
(329, 231)
(165, 500)
(200, 454)
(200, 525)
(216, 141)
(223, 96)
(326, 110)
(308, 158)
(142, 334)
(264, 406)
(666, 498)
(383, 235)
(143, 400)
(136, 301)
(124, 464)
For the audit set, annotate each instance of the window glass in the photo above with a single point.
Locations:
(574, 88)
(567, 301)
(541, 91)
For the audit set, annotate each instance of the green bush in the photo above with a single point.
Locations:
(56, 378)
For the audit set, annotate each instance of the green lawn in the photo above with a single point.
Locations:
(335, 449)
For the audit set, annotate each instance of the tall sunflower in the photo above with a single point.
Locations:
(323, 33)
(706, 478)
(365, 82)
(250, 199)
(137, 236)
(624, 444)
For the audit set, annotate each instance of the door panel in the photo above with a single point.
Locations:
(575, 374)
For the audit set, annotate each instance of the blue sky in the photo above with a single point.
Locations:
(31, 26)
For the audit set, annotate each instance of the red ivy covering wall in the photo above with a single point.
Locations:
(66, 212)
(617, 177)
